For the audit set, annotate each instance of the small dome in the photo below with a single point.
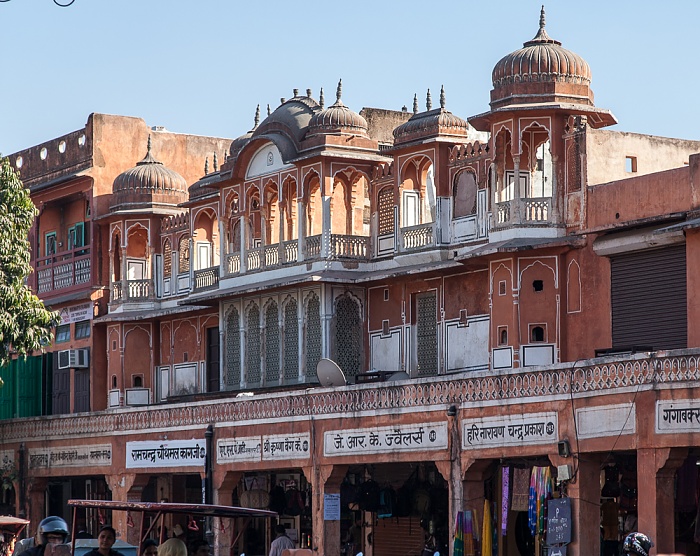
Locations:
(240, 142)
(138, 185)
(542, 60)
(430, 123)
(291, 116)
(337, 118)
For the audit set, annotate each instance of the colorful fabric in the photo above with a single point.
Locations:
(521, 489)
(458, 549)
(505, 499)
(487, 545)
(540, 492)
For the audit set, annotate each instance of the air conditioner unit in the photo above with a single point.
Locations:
(73, 358)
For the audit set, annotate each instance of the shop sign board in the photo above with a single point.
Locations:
(674, 416)
(558, 521)
(79, 456)
(331, 507)
(76, 313)
(263, 448)
(510, 430)
(383, 440)
(168, 453)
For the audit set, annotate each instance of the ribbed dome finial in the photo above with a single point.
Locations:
(206, 166)
(257, 116)
(442, 97)
(339, 92)
(542, 19)
(428, 101)
(148, 145)
(321, 101)
(268, 109)
(296, 92)
(415, 103)
(216, 163)
(308, 93)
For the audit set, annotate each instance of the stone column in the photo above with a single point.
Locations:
(120, 484)
(326, 227)
(584, 492)
(451, 471)
(36, 503)
(243, 251)
(656, 469)
(301, 230)
(325, 479)
(516, 216)
(223, 528)
(557, 197)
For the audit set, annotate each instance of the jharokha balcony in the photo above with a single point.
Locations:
(62, 272)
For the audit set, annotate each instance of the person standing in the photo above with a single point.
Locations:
(282, 542)
(105, 540)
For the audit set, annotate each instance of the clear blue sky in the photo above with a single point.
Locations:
(201, 66)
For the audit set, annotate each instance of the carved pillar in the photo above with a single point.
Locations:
(516, 217)
(557, 197)
(584, 492)
(222, 252)
(125, 281)
(224, 485)
(36, 502)
(475, 473)
(656, 469)
(121, 485)
(325, 479)
(301, 230)
(244, 250)
(326, 226)
(451, 471)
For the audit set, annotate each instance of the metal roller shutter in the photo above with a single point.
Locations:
(649, 298)
(398, 536)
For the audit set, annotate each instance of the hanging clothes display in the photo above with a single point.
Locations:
(464, 544)
(505, 498)
(486, 544)
(521, 486)
(540, 492)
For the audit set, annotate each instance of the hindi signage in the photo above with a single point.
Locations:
(264, 448)
(286, 446)
(169, 453)
(558, 521)
(673, 416)
(510, 430)
(382, 440)
(230, 450)
(80, 456)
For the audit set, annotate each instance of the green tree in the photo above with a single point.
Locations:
(25, 324)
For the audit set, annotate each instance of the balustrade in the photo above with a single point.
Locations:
(418, 237)
(206, 278)
(353, 247)
(63, 270)
(562, 382)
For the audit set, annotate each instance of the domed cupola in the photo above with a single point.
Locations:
(542, 71)
(240, 142)
(147, 184)
(431, 123)
(337, 119)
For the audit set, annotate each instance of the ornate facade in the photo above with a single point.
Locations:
(504, 293)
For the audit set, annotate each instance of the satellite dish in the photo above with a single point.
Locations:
(399, 375)
(329, 374)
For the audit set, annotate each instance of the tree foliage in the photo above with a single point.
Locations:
(25, 324)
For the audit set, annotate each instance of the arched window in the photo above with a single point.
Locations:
(184, 255)
(313, 335)
(272, 344)
(253, 374)
(464, 195)
(167, 259)
(348, 335)
(232, 378)
(537, 334)
(385, 208)
(291, 341)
